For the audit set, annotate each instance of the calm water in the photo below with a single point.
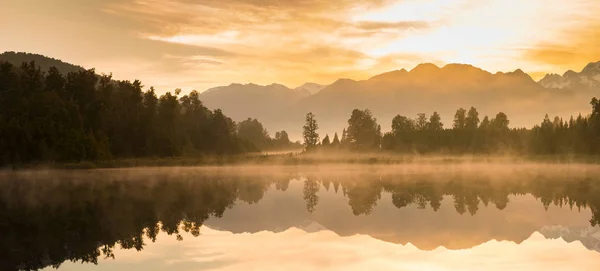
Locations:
(413, 217)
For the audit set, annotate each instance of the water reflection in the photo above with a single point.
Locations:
(84, 216)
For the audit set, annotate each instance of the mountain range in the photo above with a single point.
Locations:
(424, 89)
(588, 78)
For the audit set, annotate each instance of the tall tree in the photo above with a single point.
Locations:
(485, 123)
(500, 121)
(336, 141)
(435, 122)
(326, 142)
(460, 119)
(282, 140)
(344, 139)
(363, 131)
(310, 134)
(472, 119)
(421, 122)
(253, 131)
(402, 124)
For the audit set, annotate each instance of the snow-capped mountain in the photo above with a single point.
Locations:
(309, 89)
(587, 79)
(588, 236)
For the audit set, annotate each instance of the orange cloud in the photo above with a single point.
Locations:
(574, 50)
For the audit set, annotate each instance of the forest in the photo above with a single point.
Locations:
(85, 116)
(81, 115)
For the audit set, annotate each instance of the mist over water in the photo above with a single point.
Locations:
(115, 217)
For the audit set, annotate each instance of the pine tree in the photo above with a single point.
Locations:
(336, 141)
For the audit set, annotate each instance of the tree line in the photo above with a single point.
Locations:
(469, 134)
(81, 115)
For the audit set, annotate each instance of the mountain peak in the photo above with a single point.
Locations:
(309, 88)
(518, 75)
(592, 68)
(309, 85)
(343, 81)
(425, 67)
(459, 66)
(278, 86)
(570, 73)
(389, 75)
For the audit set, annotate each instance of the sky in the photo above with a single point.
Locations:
(198, 44)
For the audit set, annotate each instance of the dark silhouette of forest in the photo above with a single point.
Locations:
(470, 134)
(80, 115)
(84, 216)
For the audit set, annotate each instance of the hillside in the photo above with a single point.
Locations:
(16, 58)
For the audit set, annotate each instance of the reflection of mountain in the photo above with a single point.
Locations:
(424, 228)
(311, 226)
(83, 215)
(588, 236)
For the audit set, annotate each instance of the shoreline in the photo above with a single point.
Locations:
(308, 159)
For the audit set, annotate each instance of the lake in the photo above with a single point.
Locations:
(453, 216)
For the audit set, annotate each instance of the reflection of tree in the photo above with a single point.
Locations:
(283, 184)
(311, 187)
(326, 184)
(82, 220)
(363, 196)
(336, 186)
(251, 191)
(467, 192)
(419, 193)
(52, 219)
(401, 200)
